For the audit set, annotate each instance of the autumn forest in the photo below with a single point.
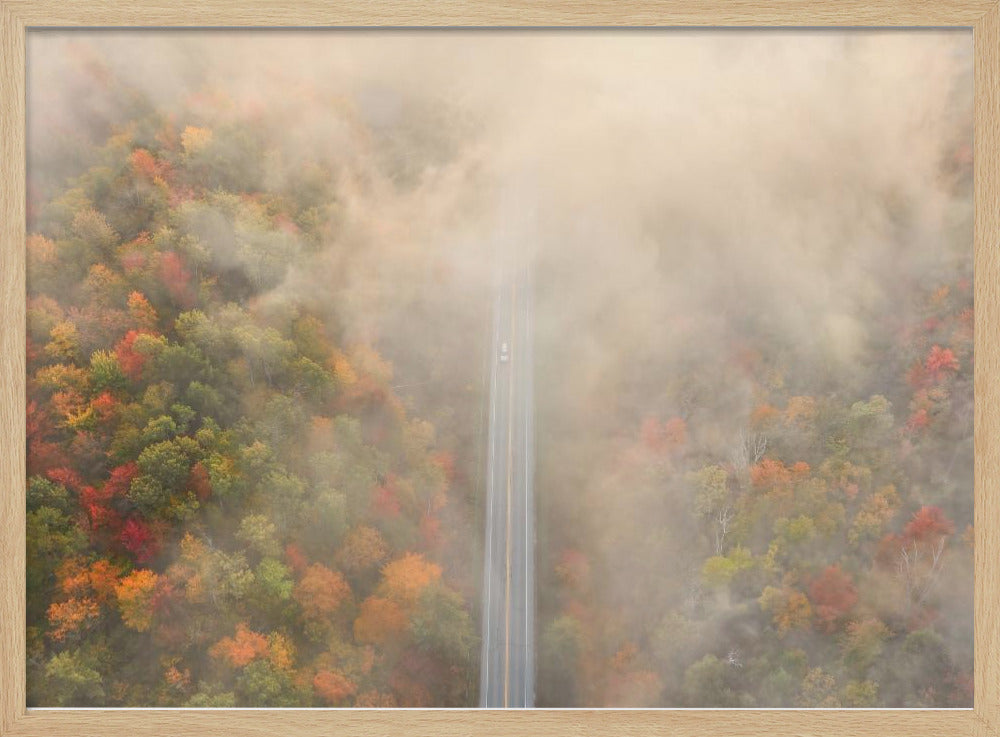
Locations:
(259, 292)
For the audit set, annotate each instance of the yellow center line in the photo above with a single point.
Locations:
(510, 469)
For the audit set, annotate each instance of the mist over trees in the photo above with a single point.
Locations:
(232, 501)
(260, 274)
(754, 387)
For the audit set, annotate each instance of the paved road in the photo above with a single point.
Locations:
(507, 674)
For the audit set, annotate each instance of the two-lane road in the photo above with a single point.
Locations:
(507, 674)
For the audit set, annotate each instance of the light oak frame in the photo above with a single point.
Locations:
(17, 16)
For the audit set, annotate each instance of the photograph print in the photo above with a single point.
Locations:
(502, 369)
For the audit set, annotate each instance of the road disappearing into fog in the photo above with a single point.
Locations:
(507, 671)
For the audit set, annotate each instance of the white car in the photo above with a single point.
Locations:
(504, 353)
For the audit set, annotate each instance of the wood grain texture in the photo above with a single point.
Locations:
(12, 369)
(519, 13)
(983, 721)
(987, 368)
(500, 723)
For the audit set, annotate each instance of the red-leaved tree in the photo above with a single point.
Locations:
(832, 595)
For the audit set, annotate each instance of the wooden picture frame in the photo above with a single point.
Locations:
(17, 16)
